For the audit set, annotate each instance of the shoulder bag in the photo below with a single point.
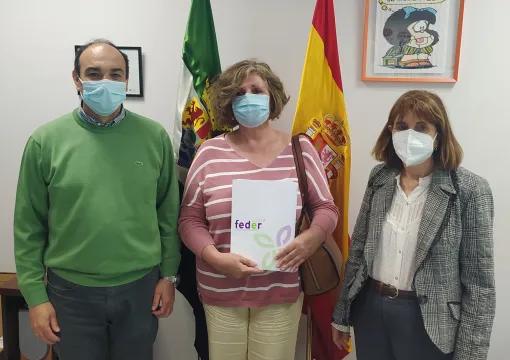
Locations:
(321, 272)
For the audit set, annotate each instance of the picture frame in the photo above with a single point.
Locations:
(135, 82)
(412, 40)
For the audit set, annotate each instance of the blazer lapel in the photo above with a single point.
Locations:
(434, 211)
(384, 190)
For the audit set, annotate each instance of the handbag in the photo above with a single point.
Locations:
(321, 272)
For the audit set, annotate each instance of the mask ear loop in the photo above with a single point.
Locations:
(80, 92)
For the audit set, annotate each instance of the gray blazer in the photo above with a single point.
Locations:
(454, 277)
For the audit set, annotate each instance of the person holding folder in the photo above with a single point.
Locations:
(251, 314)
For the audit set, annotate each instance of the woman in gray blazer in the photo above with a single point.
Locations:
(419, 281)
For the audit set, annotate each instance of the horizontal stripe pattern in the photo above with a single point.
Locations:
(208, 200)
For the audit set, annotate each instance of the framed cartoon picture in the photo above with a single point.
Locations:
(412, 40)
(135, 82)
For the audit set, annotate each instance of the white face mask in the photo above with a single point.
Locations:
(413, 147)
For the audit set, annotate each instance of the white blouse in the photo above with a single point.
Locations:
(395, 259)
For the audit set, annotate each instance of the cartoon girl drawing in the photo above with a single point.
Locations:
(408, 30)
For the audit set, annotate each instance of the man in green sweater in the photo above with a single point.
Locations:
(96, 216)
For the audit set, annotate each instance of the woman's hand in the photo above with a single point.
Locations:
(300, 249)
(235, 265)
(341, 339)
(229, 264)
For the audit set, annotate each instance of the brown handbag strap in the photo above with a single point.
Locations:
(301, 174)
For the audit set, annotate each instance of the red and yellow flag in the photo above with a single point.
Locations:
(321, 114)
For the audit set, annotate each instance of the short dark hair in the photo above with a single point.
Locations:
(82, 48)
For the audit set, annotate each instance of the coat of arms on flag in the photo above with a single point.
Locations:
(195, 120)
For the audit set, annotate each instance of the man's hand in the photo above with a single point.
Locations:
(44, 323)
(164, 295)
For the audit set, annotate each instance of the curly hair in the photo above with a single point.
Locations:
(226, 85)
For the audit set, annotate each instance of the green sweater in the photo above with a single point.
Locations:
(99, 206)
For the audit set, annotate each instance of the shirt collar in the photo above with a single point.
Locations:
(385, 176)
(110, 123)
(423, 182)
(423, 185)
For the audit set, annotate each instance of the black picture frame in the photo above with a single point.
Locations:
(135, 83)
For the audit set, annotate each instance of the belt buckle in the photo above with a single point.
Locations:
(396, 292)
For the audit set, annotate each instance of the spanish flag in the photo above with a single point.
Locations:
(321, 114)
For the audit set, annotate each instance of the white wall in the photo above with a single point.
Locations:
(36, 54)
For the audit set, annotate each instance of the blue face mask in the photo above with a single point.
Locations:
(251, 110)
(104, 96)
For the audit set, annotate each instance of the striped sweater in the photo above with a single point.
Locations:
(206, 216)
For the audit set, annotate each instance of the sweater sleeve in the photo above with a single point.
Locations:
(31, 226)
(324, 212)
(193, 224)
(168, 211)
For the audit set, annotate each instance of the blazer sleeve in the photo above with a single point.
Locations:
(477, 276)
(341, 315)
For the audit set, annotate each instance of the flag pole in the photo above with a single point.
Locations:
(309, 334)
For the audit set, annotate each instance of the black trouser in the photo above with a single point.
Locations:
(188, 288)
(391, 329)
(114, 323)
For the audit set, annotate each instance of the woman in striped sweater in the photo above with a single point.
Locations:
(251, 314)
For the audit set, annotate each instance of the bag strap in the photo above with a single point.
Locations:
(301, 174)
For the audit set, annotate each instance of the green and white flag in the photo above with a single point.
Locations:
(195, 122)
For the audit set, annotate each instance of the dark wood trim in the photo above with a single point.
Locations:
(10, 323)
(10, 288)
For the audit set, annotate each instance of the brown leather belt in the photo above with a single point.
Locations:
(390, 291)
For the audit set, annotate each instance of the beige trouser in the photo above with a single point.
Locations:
(268, 333)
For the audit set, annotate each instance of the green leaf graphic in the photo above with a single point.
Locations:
(269, 262)
(264, 241)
